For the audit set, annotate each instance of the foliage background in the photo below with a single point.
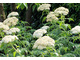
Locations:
(67, 46)
(73, 8)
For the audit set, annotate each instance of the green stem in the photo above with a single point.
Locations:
(23, 44)
(15, 49)
(63, 18)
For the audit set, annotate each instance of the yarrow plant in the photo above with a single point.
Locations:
(51, 16)
(9, 38)
(12, 21)
(53, 39)
(4, 27)
(43, 42)
(44, 7)
(13, 14)
(61, 11)
(12, 30)
(75, 30)
(39, 33)
(44, 27)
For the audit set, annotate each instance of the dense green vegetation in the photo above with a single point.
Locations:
(66, 43)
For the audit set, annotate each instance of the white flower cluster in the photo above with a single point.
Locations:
(51, 13)
(12, 14)
(12, 30)
(43, 42)
(75, 30)
(44, 27)
(10, 21)
(44, 7)
(9, 38)
(39, 33)
(61, 10)
(1, 23)
(4, 27)
(51, 16)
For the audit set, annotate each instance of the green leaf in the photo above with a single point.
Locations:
(33, 7)
(14, 54)
(70, 19)
(22, 6)
(25, 4)
(44, 19)
(19, 4)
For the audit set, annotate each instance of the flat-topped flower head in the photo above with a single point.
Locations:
(10, 21)
(12, 30)
(44, 27)
(4, 27)
(1, 23)
(52, 13)
(61, 10)
(13, 14)
(75, 30)
(44, 7)
(9, 38)
(43, 42)
(39, 33)
(51, 16)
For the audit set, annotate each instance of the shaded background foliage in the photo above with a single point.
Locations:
(36, 16)
(73, 11)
